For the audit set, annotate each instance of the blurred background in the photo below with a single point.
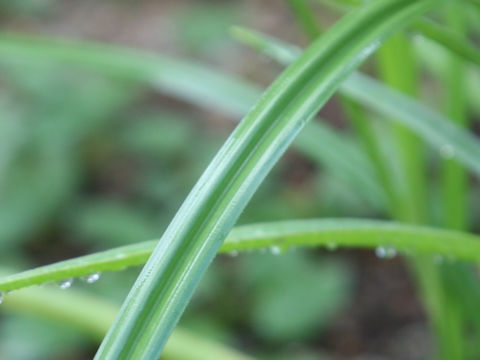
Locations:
(89, 162)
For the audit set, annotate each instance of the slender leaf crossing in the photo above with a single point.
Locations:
(185, 80)
(189, 244)
(92, 316)
(451, 140)
(284, 235)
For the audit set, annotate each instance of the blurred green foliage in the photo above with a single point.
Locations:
(203, 28)
(302, 311)
(87, 163)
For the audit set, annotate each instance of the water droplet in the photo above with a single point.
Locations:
(447, 151)
(275, 250)
(1, 298)
(385, 252)
(233, 253)
(93, 278)
(451, 259)
(438, 259)
(418, 38)
(66, 284)
(332, 246)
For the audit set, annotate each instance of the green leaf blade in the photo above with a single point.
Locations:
(93, 315)
(451, 40)
(190, 243)
(186, 80)
(435, 128)
(326, 233)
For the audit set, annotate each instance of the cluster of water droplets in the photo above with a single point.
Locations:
(233, 253)
(386, 252)
(441, 259)
(389, 252)
(447, 151)
(438, 259)
(274, 250)
(67, 283)
(331, 245)
(89, 279)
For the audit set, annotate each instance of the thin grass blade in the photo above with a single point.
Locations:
(449, 39)
(191, 241)
(185, 80)
(435, 128)
(284, 235)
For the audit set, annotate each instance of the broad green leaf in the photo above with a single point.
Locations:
(276, 237)
(166, 283)
(451, 140)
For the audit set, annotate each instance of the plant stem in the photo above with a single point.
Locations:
(455, 189)
(455, 179)
(364, 128)
(398, 68)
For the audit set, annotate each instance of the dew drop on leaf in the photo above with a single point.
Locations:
(275, 250)
(233, 253)
(93, 278)
(438, 259)
(451, 259)
(418, 38)
(385, 252)
(332, 246)
(66, 284)
(447, 151)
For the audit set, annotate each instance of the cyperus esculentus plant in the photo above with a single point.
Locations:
(394, 183)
